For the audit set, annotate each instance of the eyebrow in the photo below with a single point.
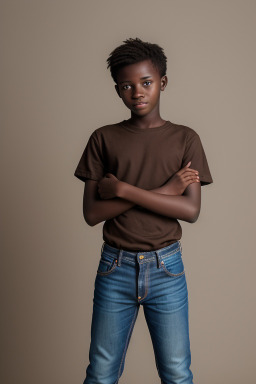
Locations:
(128, 81)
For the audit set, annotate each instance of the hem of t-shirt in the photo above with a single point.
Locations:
(140, 249)
(86, 175)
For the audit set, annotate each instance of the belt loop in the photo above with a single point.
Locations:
(158, 259)
(180, 246)
(119, 257)
(102, 248)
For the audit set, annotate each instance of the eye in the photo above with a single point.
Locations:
(148, 82)
(125, 86)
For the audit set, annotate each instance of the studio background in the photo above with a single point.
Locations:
(55, 91)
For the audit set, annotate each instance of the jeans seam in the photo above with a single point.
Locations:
(146, 284)
(127, 342)
(107, 272)
(171, 253)
(172, 274)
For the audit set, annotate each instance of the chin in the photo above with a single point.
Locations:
(140, 112)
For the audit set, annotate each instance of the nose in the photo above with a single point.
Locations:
(137, 92)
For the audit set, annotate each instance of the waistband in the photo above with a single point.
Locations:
(142, 256)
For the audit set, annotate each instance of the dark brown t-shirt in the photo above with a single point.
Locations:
(146, 158)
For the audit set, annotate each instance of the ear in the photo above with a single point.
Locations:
(164, 82)
(117, 90)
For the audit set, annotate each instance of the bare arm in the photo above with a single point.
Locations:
(185, 207)
(96, 209)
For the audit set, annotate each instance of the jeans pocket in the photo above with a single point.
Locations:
(107, 263)
(173, 264)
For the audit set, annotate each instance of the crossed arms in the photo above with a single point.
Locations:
(179, 197)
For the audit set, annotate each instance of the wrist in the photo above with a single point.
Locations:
(120, 191)
(162, 190)
(165, 190)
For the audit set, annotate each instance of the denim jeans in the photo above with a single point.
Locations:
(124, 281)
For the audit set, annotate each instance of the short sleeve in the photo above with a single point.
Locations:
(91, 165)
(195, 153)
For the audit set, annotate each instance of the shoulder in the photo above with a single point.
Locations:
(185, 134)
(106, 129)
(99, 134)
(186, 130)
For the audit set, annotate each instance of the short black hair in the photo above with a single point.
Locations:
(134, 51)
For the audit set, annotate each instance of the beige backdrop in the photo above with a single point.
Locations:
(55, 91)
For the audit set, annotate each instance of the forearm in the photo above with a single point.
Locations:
(103, 210)
(178, 207)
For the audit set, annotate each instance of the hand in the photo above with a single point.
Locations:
(107, 186)
(177, 184)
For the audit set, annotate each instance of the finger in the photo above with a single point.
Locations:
(190, 171)
(190, 175)
(188, 164)
(191, 179)
(187, 171)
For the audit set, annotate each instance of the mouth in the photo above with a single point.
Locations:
(139, 105)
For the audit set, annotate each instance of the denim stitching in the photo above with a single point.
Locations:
(129, 260)
(127, 342)
(172, 274)
(107, 272)
(146, 284)
(119, 258)
(126, 258)
(106, 262)
(171, 253)
(180, 247)
(146, 260)
(114, 256)
(132, 252)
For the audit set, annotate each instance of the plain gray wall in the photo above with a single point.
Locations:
(55, 90)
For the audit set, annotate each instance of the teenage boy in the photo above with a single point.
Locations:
(137, 179)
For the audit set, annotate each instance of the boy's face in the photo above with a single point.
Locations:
(140, 82)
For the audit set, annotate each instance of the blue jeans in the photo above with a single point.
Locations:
(124, 281)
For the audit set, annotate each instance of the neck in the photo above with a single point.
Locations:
(148, 121)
